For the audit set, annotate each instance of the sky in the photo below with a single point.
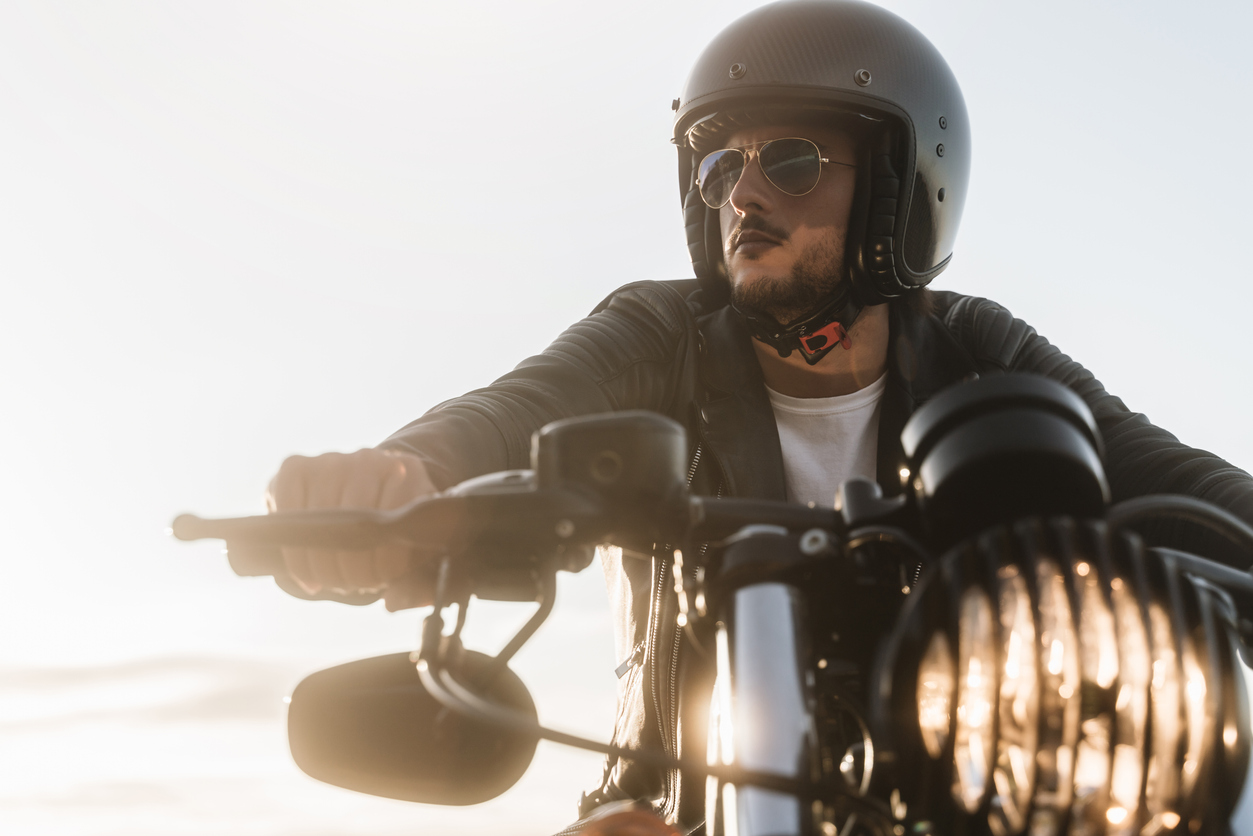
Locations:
(234, 231)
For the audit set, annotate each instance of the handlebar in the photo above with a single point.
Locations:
(452, 522)
(495, 523)
(446, 522)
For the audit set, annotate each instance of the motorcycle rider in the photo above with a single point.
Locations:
(824, 153)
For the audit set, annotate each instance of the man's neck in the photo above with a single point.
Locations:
(841, 372)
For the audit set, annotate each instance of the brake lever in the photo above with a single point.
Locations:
(452, 524)
(340, 528)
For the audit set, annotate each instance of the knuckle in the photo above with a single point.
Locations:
(292, 466)
(330, 462)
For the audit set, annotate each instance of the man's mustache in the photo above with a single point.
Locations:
(754, 223)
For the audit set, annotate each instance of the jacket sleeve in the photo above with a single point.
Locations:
(628, 354)
(1140, 458)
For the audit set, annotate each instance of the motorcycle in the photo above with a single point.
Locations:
(995, 650)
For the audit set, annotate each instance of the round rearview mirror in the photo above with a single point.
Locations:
(371, 727)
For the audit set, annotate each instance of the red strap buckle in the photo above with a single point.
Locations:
(831, 333)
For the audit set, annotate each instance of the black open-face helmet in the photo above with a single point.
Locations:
(855, 64)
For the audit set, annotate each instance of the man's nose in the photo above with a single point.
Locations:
(753, 192)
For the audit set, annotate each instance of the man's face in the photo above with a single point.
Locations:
(785, 253)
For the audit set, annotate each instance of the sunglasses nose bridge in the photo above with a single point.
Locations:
(759, 186)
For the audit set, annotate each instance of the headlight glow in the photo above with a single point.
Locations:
(1161, 791)
(1098, 655)
(1018, 709)
(1059, 704)
(1131, 709)
(976, 696)
(935, 694)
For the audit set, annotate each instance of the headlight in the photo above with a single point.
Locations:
(1098, 656)
(976, 696)
(935, 694)
(1095, 690)
(1059, 701)
(1131, 709)
(1018, 709)
(1161, 790)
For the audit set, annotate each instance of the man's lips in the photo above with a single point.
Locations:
(752, 240)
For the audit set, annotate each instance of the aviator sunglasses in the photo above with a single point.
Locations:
(792, 165)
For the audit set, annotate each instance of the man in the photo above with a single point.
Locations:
(823, 159)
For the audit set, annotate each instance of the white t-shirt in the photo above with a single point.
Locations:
(827, 440)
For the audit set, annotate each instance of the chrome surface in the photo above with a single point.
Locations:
(762, 715)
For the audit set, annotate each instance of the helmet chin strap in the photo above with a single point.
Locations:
(815, 335)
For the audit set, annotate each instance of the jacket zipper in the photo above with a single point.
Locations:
(668, 723)
(691, 471)
(669, 741)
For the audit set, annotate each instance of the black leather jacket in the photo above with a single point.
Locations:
(657, 346)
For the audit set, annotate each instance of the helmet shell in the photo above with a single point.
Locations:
(845, 57)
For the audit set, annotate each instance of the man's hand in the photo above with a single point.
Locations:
(376, 479)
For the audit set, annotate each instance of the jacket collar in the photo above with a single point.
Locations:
(923, 358)
(736, 419)
(737, 422)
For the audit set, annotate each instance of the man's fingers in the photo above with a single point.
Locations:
(365, 479)
(326, 487)
(358, 570)
(249, 560)
(323, 489)
(297, 562)
(370, 471)
(287, 488)
(324, 566)
(367, 473)
(392, 561)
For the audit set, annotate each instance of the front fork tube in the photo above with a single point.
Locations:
(762, 712)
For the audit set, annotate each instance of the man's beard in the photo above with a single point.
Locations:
(785, 299)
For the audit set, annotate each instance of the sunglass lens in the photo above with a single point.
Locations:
(793, 165)
(719, 172)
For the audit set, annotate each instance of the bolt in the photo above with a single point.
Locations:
(943, 121)
(862, 77)
(814, 542)
(738, 70)
(674, 105)
(939, 149)
(940, 197)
